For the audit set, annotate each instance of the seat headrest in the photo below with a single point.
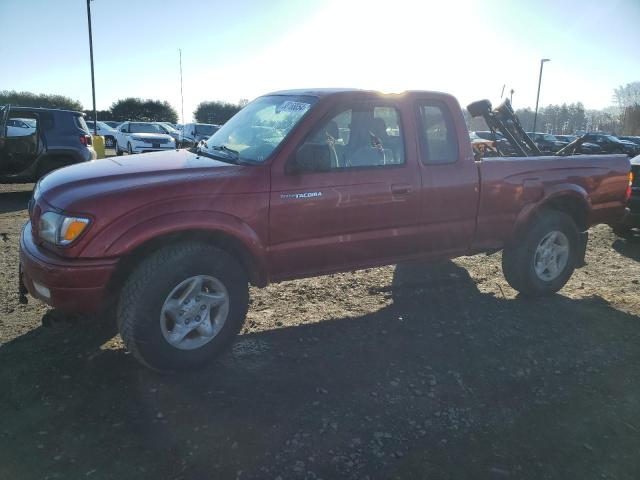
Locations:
(379, 127)
(332, 129)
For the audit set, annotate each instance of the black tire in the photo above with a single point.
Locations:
(129, 149)
(518, 258)
(149, 285)
(118, 151)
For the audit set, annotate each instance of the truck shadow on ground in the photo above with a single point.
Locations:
(629, 247)
(14, 201)
(445, 381)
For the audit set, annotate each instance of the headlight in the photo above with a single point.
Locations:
(171, 139)
(61, 229)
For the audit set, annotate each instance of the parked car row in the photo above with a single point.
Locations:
(118, 135)
(595, 143)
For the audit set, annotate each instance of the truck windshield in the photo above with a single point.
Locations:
(256, 130)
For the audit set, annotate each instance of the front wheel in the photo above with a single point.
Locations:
(543, 259)
(182, 306)
(118, 151)
(129, 149)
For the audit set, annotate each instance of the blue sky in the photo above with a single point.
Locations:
(243, 48)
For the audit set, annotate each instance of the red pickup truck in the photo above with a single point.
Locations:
(300, 183)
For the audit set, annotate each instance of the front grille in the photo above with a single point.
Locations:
(156, 140)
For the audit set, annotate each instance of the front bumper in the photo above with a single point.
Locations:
(71, 285)
(632, 212)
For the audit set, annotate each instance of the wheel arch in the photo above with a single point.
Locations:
(223, 240)
(573, 202)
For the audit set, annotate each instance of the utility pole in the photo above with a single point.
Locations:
(93, 80)
(181, 96)
(535, 117)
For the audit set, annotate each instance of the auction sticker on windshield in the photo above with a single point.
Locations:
(290, 106)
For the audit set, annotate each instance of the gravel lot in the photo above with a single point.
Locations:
(414, 371)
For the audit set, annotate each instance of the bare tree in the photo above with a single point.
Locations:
(627, 95)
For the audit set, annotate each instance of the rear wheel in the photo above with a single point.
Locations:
(543, 259)
(182, 306)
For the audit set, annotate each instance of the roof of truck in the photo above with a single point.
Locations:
(324, 92)
(316, 92)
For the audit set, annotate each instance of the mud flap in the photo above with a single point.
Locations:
(583, 238)
(22, 290)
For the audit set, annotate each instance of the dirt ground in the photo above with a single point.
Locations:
(412, 371)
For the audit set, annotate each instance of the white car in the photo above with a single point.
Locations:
(19, 127)
(105, 131)
(140, 137)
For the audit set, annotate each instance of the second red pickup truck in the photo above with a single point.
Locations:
(300, 183)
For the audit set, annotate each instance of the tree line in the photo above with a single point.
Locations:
(136, 109)
(623, 118)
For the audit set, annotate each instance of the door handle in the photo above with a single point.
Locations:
(401, 189)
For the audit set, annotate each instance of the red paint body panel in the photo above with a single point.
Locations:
(75, 285)
(343, 220)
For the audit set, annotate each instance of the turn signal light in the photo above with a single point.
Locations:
(72, 228)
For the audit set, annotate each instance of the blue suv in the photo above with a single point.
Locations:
(35, 141)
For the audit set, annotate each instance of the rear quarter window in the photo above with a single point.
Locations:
(80, 123)
(438, 136)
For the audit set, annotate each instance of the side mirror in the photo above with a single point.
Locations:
(312, 158)
(193, 133)
(123, 130)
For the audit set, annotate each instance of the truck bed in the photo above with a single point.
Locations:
(513, 187)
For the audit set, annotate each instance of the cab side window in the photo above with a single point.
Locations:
(438, 140)
(366, 135)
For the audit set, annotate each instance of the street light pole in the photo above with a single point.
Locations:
(181, 96)
(535, 116)
(93, 80)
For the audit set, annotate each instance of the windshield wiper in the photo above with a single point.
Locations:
(228, 155)
(214, 156)
(231, 151)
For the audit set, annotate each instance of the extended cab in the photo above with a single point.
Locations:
(300, 183)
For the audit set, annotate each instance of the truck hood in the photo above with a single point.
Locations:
(72, 187)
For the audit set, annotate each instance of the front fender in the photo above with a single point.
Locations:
(119, 240)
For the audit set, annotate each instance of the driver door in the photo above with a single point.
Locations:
(356, 200)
